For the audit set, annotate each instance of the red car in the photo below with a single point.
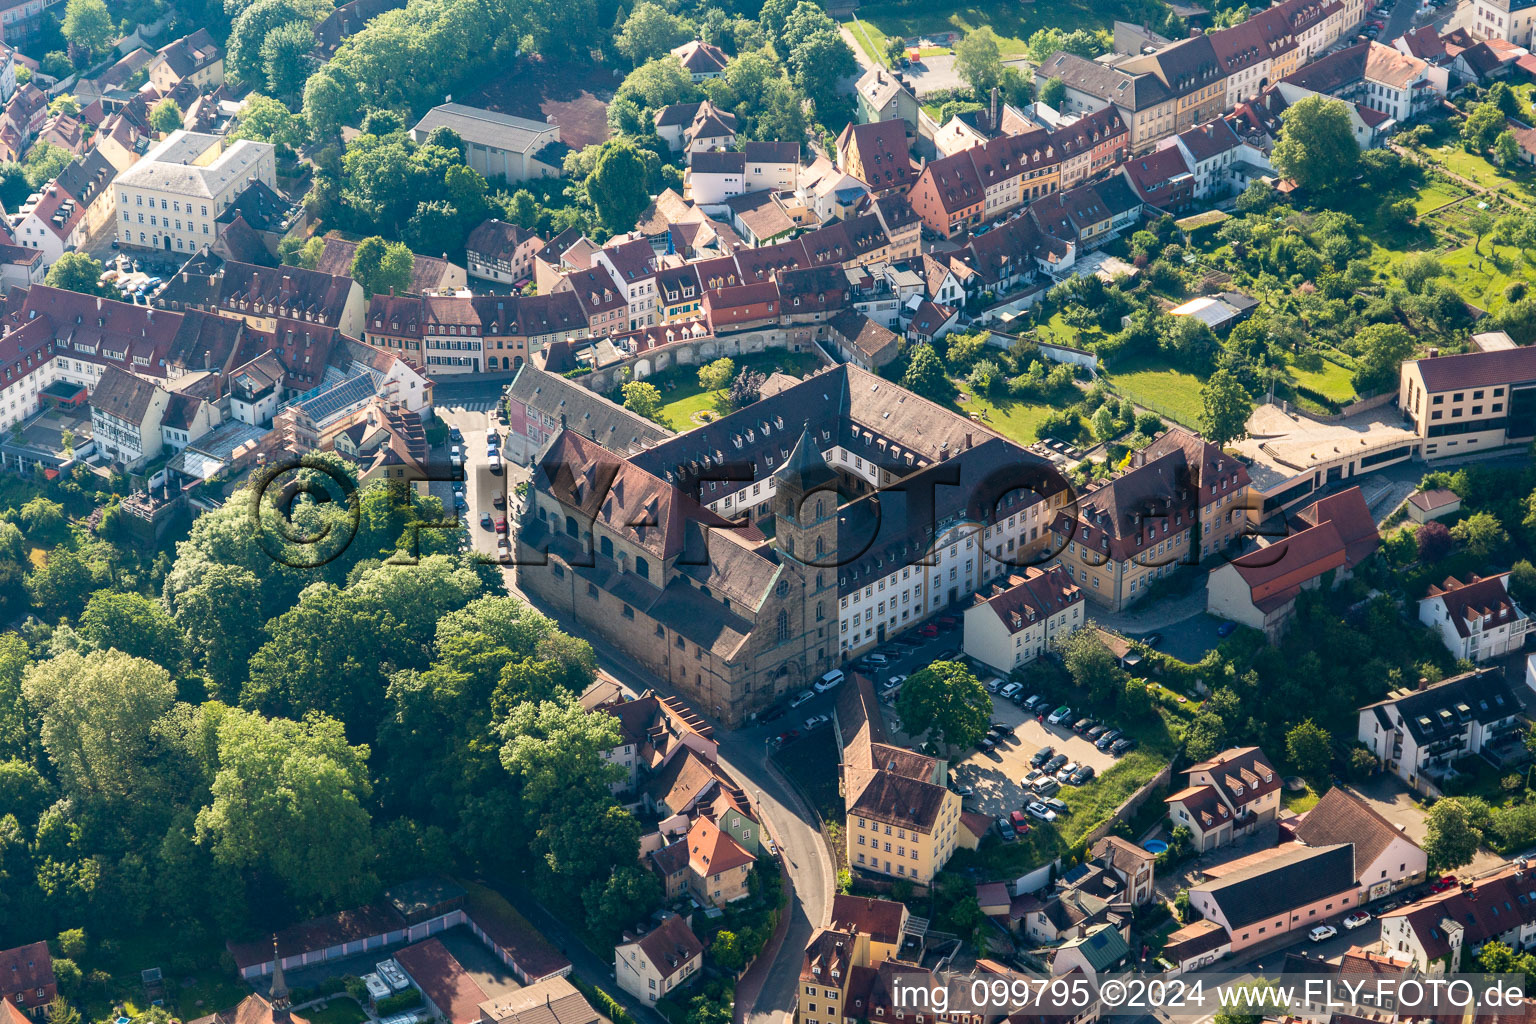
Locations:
(929, 630)
(1019, 822)
(948, 622)
(1445, 882)
(501, 524)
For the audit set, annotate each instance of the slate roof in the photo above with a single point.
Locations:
(123, 395)
(1273, 887)
(1037, 594)
(1444, 708)
(583, 410)
(718, 161)
(670, 946)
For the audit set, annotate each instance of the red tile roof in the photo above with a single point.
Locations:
(1482, 598)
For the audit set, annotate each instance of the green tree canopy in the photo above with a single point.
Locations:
(133, 624)
(617, 185)
(925, 374)
(948, 699)
(643, 398)
(651, 31)
(1381, 349)
(1317, 147)
(978, 61)
(165, 116)
(1225, 408)
(77, 272)
(379, 266)
(1455, 830)
(89, 27)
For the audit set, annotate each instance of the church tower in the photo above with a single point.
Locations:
(805, 506)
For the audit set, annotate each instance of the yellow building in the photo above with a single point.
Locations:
(1470, 402)
(841, 959)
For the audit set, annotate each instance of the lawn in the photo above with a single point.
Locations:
(1169, 392)
(1058, 331)
(1015, 419)
(1436, 194)
(1014, 23)
(337, 1011)
(870, 39)
(1520, 183)
(1299, 803)
(1332, 382)
(1482, 277)
(682, 397)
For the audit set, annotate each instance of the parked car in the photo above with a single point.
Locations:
(773, 714)
(492, 438)
(1033, 702)
(1059, 806)
(829, 680)
(1010, 691)
(947, 622)
(960, 788)
(987, 744)
(499, 500)
(486, 523)
(1355, 920)
(1031, 777)
(1322, 933)
(1005, 830)
(501, 524)
(1003, 728)
(1039, 810)
(816, 722)
(928, 629)
(1020, 823)
(1108, 739)
(1042, 755)
(1095, 732)
(1046, 787)
(1443, 883)
(801, 698)
(1121, 745)
(455, 456)
(1082, 776)
(894, 681)
(1226, 628)
(1060, 715)
(1065, 772)
(783, 739)
(455, 434)
(1152, 639)
(1053, 764)
(876, 660)
(1082, 724)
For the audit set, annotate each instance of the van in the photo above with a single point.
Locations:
(829, 680)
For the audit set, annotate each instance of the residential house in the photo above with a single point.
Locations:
(1162, 179)
(1131, 863)
(715, 176)
(541, 404)
(503, 252)
(1477, 620)
(1091, 144)
(651, 966)
(1179, 501)
(632, 264)
(1195, 946)
(256, 389)
(194, 58)
(172, 198)
(1220, 161)
(346, 21)
(861, 341)
(498, 145)
(20, 267)
(602, 301)
(26, 978)
(1386, 859)
(701, 60)
(949, 196)
(1102, 950)
(126, 412)
(1259, 589)
(1007, 627)
(1417, 734)
(877, 155)
(264, 295)
(19, 21)
(1510, 20)
(1477, 400)
(1437, 932)
(718, 866)
(1227, 797)
(882, 96)
(1292, 890)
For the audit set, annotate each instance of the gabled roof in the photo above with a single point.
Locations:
(26, 968)
(191, 53)
(443, 980)
(881, 920)
(123, 395)
(712, 851)
(1204, 803)
(1342, 817)
(1342, 535)
(1276, 885)
(1482, 600)
(1033, 597)
(670, 946)
(1478, 369)
(1445, 708)
(1488, 908)
(498, 239)
(490, 128)
(1430, 500)
(701, 58)
(883, 154)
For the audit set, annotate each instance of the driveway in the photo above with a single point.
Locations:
(933, 74)
(1390, 797)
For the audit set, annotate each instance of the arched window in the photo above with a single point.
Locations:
(642, 568)
(821, 545)
(789, 545)
(783, 625)
(818, 581)
(818, 508)
(570, 526)
(605, 546)
(820, 611)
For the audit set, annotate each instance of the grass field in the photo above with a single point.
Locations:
(870, 39)
(1332, 382)
(1062, 333)
(1481, 278)
(1018, 420)
(1521, 183)
(1435, 195)
(1173, 393)
(1014, 23)
(682, 397)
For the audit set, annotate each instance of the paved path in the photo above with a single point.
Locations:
(744, 754)
(858, 51)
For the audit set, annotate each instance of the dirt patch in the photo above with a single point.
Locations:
(575, 96)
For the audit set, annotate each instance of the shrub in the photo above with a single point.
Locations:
(397, 1003)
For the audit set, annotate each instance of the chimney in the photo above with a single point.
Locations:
(1423, 683)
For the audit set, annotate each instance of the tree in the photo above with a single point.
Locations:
(643, 398)
(133, 624)
(287, 801)
(1480, 223)
(717, 375)
(1505, 149)
(617, 185)
(62, 583)
(97, 713)
(978, 60)
(1225, 408)
(819, 61)
(286, 58)
(1522, 584)
(165, 116)
(1091, 665)
(215, 620)
(89, 28)
(1455, 830)
(43, 163)
(746, 388)
(65, 104)
(77, 272)
(925, 374)
(1482, 125)
(1052, 92)
(264, 119)
(650, 32)
(1316, 148)
(631, 894)
(13, 184)
(59, 1011)
(1434, 542)
(554, 750)
(947, 698)
(380, 266)
(1480, 533)
(1381, 350)
(1310, 749)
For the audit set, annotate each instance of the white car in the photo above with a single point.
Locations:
(1066, 771)
(1008, 691)
(455, 456)
(1039, 810)
(816, 722)
(895, 681)
(1355, 920)
(1322, 933)
(1060, 715)
(801, 698)
(876, 660)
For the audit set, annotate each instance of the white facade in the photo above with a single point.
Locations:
(170, 200)
(991, 641)
(1488, 635)
(1513, 20)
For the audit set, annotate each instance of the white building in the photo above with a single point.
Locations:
(1417, 734)
(126, 414)
(659, 961)
(1512, 20)
(171, 199)
(497, 145)
(1477, 620)
(1015, 625)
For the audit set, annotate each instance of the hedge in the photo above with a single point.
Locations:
(605, 1003)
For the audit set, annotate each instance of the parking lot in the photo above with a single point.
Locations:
(997, 777)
